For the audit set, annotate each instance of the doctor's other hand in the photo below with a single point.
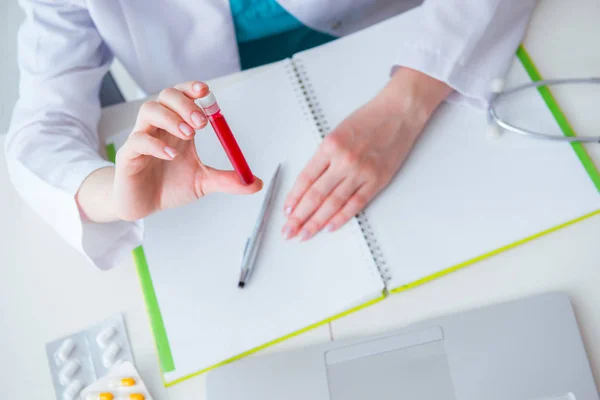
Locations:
(158, 166)
(362, 155)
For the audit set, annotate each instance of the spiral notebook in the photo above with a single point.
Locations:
(459, 198)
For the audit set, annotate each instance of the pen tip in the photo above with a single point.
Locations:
(241, 285)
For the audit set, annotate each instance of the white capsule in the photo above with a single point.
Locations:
(110, 354)
(65, 350)
(66, 373)
(497, 85)
(73, 390)
(105, 335)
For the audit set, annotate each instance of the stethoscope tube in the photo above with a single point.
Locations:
(493, 117)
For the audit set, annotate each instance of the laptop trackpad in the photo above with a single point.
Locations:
(411, 366)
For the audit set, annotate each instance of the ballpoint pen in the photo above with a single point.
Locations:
(253, 242)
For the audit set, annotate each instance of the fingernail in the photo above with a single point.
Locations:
(287, 233)
(329, 228)
(197, 87)
(185, 128)
(304, 235)
(198, 119)
(171, 152)
(287, 210)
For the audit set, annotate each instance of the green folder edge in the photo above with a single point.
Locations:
(165, 356)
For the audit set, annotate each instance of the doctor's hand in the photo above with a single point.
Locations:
(158, 167)
(361, 156)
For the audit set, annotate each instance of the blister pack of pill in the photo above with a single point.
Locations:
(122, 382)
(81, 358)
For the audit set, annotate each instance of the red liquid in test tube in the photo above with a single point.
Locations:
(230, 145)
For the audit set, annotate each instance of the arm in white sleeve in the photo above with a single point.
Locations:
(53, 143)
(466, 44)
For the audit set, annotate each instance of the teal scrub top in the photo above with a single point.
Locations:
(266, 32)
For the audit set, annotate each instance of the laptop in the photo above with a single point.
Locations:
(529, 349)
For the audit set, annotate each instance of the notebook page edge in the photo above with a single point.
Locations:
(373, 299)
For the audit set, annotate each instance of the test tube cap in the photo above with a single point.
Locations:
(208, 100)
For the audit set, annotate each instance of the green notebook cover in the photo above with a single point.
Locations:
(165, 357)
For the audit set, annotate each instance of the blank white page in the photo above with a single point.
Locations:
(194, 252)
(460, 195)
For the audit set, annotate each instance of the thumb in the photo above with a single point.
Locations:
(216, 180)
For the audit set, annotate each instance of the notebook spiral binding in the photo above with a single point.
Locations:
(365, 226)
(313, 111)
(308, 100)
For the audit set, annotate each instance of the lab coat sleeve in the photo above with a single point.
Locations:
(466, 44)
(53, 144)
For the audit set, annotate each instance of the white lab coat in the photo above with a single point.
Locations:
(66, 47)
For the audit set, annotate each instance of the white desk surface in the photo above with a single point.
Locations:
(48, 290)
